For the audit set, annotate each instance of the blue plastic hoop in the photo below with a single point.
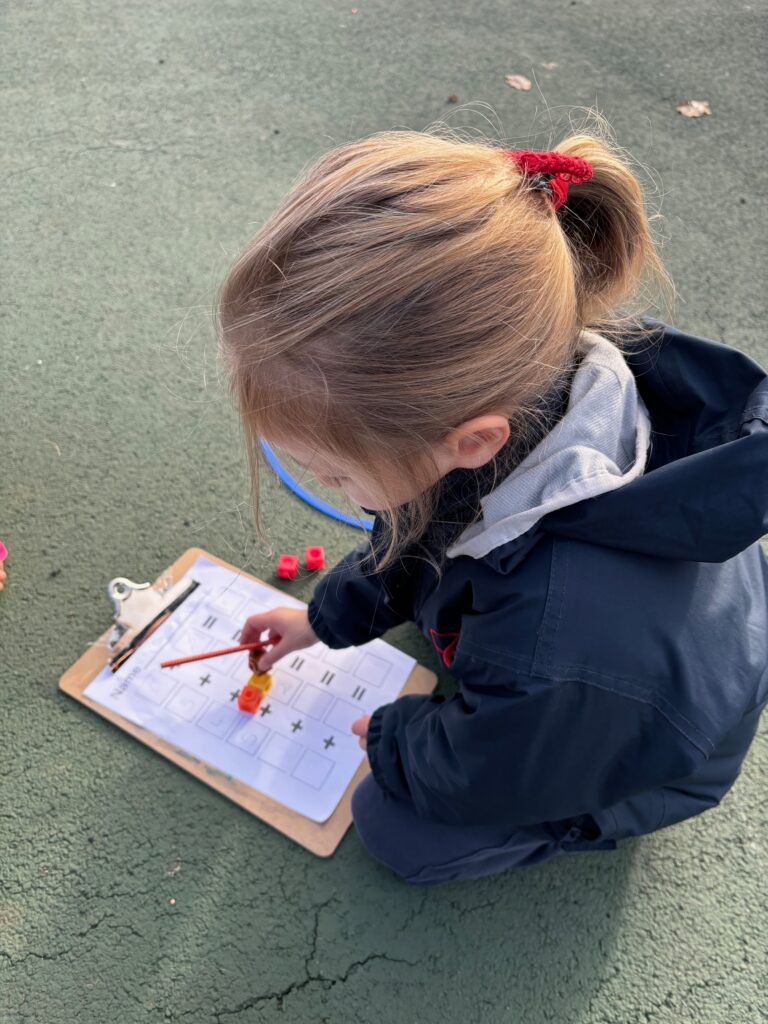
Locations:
(361, 523)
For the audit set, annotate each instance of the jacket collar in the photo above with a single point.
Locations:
(600, 443)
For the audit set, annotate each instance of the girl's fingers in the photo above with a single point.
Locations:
(286, 629)
(252, 632)
(275, 653)
(360, 726)
(360, 729)
(262, 660)
(255, 626)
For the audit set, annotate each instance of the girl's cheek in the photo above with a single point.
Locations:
(361, 497)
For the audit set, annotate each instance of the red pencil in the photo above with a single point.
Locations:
(212, 654)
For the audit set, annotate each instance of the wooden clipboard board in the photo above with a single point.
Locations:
(320, 838)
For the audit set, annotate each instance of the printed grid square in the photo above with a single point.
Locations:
(373, 669)
(218, 719)
(281, 753)
(342, 715)
(255, 608)
(313, 769)
(156, 642)
(345, 659)
(284, 688)
(241, 671)
(313, 702)
(186, 704)
(228, 602)
(155, 687)
(192, 641)
(250, 737)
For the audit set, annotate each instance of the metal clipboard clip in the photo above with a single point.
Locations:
(138, 610)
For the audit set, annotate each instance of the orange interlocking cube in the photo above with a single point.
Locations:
(249, 699)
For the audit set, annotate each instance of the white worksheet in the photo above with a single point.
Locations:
(298, 747)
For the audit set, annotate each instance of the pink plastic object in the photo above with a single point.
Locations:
(288, 567)
(3, 552)
(315, 558)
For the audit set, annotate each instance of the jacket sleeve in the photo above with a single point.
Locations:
(349, 608)
(522, 753)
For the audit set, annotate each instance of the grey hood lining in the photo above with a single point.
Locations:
(600, 444)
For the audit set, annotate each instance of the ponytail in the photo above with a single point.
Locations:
(607, 228)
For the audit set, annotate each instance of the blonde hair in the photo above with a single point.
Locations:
(411, 281)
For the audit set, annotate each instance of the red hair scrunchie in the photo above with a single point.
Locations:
(565, 169)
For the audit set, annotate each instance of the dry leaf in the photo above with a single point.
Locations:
(550, 66)
(517, 82)
(694, 108)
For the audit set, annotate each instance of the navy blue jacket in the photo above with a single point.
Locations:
(612, 661)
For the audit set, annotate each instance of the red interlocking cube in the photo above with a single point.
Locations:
(315, 558)
(287, 567)
(249, 699)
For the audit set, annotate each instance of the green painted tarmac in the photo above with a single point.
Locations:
(143, 143)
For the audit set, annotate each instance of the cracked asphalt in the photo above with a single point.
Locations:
(144, 142)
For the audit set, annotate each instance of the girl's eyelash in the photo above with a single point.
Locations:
(306, 469)
(309, 469)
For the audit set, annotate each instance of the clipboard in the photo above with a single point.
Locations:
(320, 838)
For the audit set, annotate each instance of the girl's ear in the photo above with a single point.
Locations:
(477, 440)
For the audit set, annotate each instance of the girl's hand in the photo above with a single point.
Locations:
(289, 630)
(360, 728)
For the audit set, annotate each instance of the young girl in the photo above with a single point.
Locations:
(568, 498)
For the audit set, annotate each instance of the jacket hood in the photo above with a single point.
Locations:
(600, 443)
(662, 449)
